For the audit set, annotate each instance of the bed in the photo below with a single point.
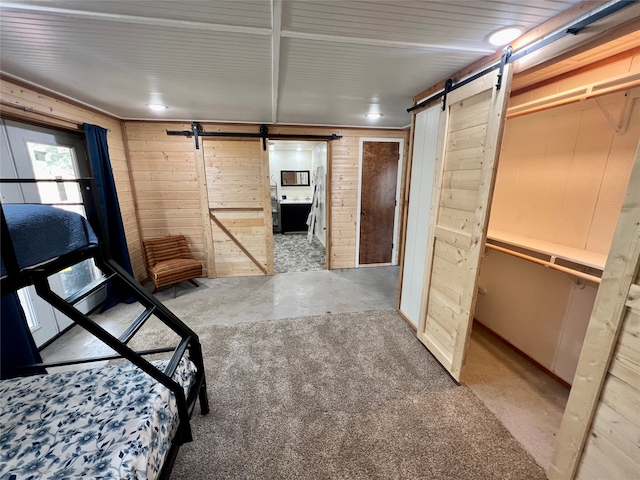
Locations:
(117, 422)
(42, 232)
(109, 423)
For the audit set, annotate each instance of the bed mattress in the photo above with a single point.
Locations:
(42, 232)
(105, 423)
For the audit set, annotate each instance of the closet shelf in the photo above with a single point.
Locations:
(554, 251)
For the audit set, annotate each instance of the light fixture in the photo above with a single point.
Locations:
(299, 149)
(156, 107)
(373, 115)
(504, 36)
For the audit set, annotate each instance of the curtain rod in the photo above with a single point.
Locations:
(574, 29)
(40, 112)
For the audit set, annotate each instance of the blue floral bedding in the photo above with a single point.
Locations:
(108, 423)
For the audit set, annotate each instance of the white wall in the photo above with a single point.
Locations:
(425, 140)
(290, 160)
(319, 159)
(541, 311)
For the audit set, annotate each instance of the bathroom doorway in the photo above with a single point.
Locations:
(298, 180)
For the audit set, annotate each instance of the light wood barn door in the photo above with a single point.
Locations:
(468, 148)
(237, 179)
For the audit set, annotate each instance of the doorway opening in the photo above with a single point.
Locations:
(379, 181)
(562, 176)
(298, 180)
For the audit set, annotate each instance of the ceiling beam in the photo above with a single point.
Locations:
(153, 21)
(276, 27)
(382, 43)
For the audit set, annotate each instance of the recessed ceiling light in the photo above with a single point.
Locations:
(157, 107)
(299, 149)
(504, 36)
(373, 115)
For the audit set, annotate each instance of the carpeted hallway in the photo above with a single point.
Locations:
(351, 395)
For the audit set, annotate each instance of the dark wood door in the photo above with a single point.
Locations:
(378, 201)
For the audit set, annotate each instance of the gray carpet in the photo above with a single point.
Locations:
(347, 396)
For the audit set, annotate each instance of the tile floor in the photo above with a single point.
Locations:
(294, 253)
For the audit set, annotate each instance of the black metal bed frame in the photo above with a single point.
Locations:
(37, 276)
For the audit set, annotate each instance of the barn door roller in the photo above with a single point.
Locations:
(196, 132)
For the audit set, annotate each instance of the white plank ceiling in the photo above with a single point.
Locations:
(264, 61)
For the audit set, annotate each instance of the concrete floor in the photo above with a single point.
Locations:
(245, 299)
(526, 400)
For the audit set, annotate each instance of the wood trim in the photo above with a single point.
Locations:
(539, 32)
(478, 324)
(203, 196)
(237, 209)
(35, 117)
(134, 195)
(268, 217)
(596, 89)
(584, 69)
(238, 244)
(55, 95)
(603, 331)
(328, 205)
(405, 210)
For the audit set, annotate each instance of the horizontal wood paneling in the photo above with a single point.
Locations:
(165, 178)
(68, 115)
(613, 445)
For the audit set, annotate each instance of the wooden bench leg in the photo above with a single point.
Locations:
(174, 290)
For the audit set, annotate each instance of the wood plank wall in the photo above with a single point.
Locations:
(165, 178)
(563, 171)
(612, 449)
(603, 410)
(62, 114)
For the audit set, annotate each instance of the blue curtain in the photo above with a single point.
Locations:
(110, 208)
(17, 346)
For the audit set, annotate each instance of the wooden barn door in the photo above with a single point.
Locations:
(379, 184)
(239, 207)
(468, 148)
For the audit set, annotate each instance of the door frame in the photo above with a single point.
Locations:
(396, 214)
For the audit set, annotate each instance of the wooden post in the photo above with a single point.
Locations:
(608, 313)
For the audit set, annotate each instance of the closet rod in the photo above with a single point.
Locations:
(575, 273)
